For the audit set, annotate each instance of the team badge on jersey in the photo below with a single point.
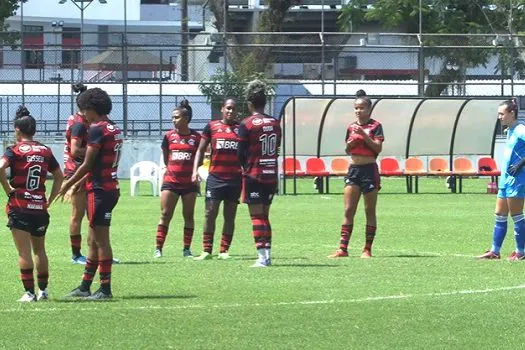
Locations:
(257, 121)
(24, 148)
(191, 142)
(110, 127)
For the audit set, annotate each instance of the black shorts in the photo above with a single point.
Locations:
(100, 206)
(35, 224)
(168, 186)
(255, 192)
(227, 190)
(365, 176)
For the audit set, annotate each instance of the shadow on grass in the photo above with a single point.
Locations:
(156, 297)
(156, 262)
(125, 297)
(254, 257)
(304, 265)
(411, 256)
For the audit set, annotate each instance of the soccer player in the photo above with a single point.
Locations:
(224, 179)
(100, 165)
(178, 149)
(364, 141)
(260, 139)
(29, 162)
(74, 152)
(511, 187)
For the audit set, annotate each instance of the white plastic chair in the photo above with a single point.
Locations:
(147, 171)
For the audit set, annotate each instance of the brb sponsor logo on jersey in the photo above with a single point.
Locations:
(226, 144)
(179, 155)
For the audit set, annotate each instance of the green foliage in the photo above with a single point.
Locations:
(8, 8)
(224, 85)
(448, 17)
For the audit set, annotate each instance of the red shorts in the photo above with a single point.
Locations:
(100, 206)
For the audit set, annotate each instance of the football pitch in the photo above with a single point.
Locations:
(422, 288)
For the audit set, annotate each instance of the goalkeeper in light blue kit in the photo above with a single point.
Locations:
(511, 187)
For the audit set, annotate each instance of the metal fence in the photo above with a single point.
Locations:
(297, 64)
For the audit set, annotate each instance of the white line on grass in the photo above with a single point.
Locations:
(282, 303)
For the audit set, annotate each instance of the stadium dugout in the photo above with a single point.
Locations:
(446, 136)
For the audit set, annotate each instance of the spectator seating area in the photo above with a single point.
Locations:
(412, 169)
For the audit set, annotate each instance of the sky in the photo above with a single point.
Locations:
(114, 9)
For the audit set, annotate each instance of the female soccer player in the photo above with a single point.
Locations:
(178, 149)
(74, 152)
(224, 179)
(260, 139)
(511, 187)
(364, 141)
(101, 166)
(29, 161)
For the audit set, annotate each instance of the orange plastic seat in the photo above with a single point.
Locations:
(288, 167)
(414, 167)
(463, 167)
(316, 167)
(487, 167)
(340, 166)
(439, 167)
(390, 167)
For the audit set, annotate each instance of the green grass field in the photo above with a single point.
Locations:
(422, 289)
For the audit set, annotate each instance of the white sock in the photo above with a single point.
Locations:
(261, 254)
(268, 254)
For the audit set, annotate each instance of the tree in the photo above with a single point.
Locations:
(254, 58)
(447, 17)
(224, 85)
(8, 8)
(248, 62)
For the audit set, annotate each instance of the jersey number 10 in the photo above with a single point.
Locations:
(268, 144)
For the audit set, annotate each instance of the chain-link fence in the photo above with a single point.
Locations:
(148, 73)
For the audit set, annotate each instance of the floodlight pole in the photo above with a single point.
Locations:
(82, 7)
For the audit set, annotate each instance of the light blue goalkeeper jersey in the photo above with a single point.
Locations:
(514, 186)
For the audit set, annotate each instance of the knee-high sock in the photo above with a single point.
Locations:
(498, 235)
(346, 233)
(519, 232)
(188, 237)
(162, 232)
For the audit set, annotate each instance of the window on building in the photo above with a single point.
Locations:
(34, 58)
(70, 57)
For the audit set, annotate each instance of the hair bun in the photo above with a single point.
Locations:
(256, 86)
(360, 93)
(78, 88)
(184, 103)
(22, 111)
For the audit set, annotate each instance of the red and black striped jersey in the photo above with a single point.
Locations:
(106, 136)
(262, 134)
(76, 128)
(224, 140)
(373, 128)
(181, 154)
(29, 162)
